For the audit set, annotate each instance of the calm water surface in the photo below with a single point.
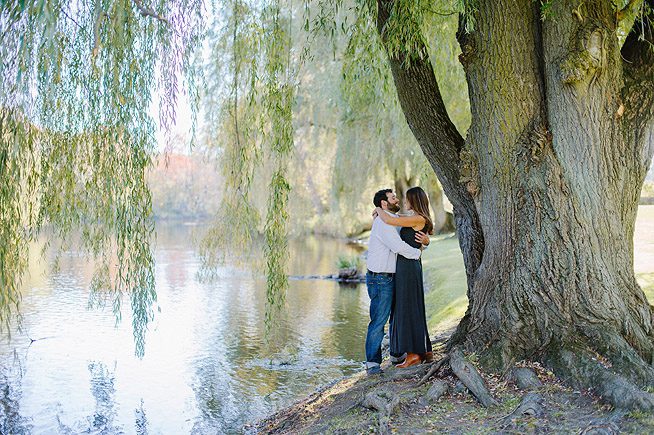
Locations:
(206, 367)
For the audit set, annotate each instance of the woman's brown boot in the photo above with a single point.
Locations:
(427, 357)
(412, 359)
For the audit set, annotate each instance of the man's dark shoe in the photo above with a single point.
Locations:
(374, 370)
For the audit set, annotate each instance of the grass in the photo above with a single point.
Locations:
(644, 249)
(646, 281)
(648, 190)
(446, 283)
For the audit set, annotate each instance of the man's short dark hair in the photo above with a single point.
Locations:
(381, 196)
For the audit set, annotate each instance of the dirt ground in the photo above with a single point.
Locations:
(342, 408)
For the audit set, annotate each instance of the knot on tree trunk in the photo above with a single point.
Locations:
(469, 169)
(536, 138)
(585, 55)
(467, 52)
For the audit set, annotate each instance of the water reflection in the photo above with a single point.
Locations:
(206, 368)
(11, 419)
(103, 391)
(140, 420)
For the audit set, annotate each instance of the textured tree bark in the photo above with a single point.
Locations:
(553, 164)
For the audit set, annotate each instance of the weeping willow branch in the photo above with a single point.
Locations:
(233, 126)
(250, 106)
(278, 102)
(76, 138)
(256, 39)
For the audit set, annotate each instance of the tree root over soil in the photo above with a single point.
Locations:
(527, 397)
(384, 402)
(582, 369)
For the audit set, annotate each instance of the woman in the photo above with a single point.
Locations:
(409, 324)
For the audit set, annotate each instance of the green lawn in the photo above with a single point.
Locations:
(644, 249)
(445, 279)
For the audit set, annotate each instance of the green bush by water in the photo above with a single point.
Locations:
(348, 262)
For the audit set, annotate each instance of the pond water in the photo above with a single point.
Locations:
(206, 367)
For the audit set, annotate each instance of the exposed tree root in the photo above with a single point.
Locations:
(385, 403)
(623, 357)
(604, 425)
(435, 366)
(407, 373)
(617, 374)
(524, 378)
(382, 401)
(531, 404)
(582, 369)
(464, 371)
(471, 378)
(436, 391)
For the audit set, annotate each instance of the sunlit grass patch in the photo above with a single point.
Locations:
(445, 282)
(646, 281)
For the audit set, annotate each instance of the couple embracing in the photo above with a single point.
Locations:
(394, 280)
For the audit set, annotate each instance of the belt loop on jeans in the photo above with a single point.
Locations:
(381, 273)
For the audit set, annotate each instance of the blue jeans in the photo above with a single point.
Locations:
(380, 290)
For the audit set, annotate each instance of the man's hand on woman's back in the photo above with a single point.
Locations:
(422, 238)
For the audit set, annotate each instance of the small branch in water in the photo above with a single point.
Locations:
(335, 277)
(32, 340)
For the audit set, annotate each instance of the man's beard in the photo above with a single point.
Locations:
(393, 208)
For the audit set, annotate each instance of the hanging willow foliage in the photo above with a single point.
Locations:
(76, 135)
(249, 112)
(278, 98)
(371, 110)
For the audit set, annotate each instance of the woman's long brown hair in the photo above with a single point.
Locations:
(420, 204)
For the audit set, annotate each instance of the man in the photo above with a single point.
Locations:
(384, 246)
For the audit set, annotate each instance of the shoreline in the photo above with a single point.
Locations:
(348, 405)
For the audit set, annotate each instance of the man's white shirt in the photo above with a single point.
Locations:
(384, 245)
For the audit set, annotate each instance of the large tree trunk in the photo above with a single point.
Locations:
(439, 139)
(555, 158)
